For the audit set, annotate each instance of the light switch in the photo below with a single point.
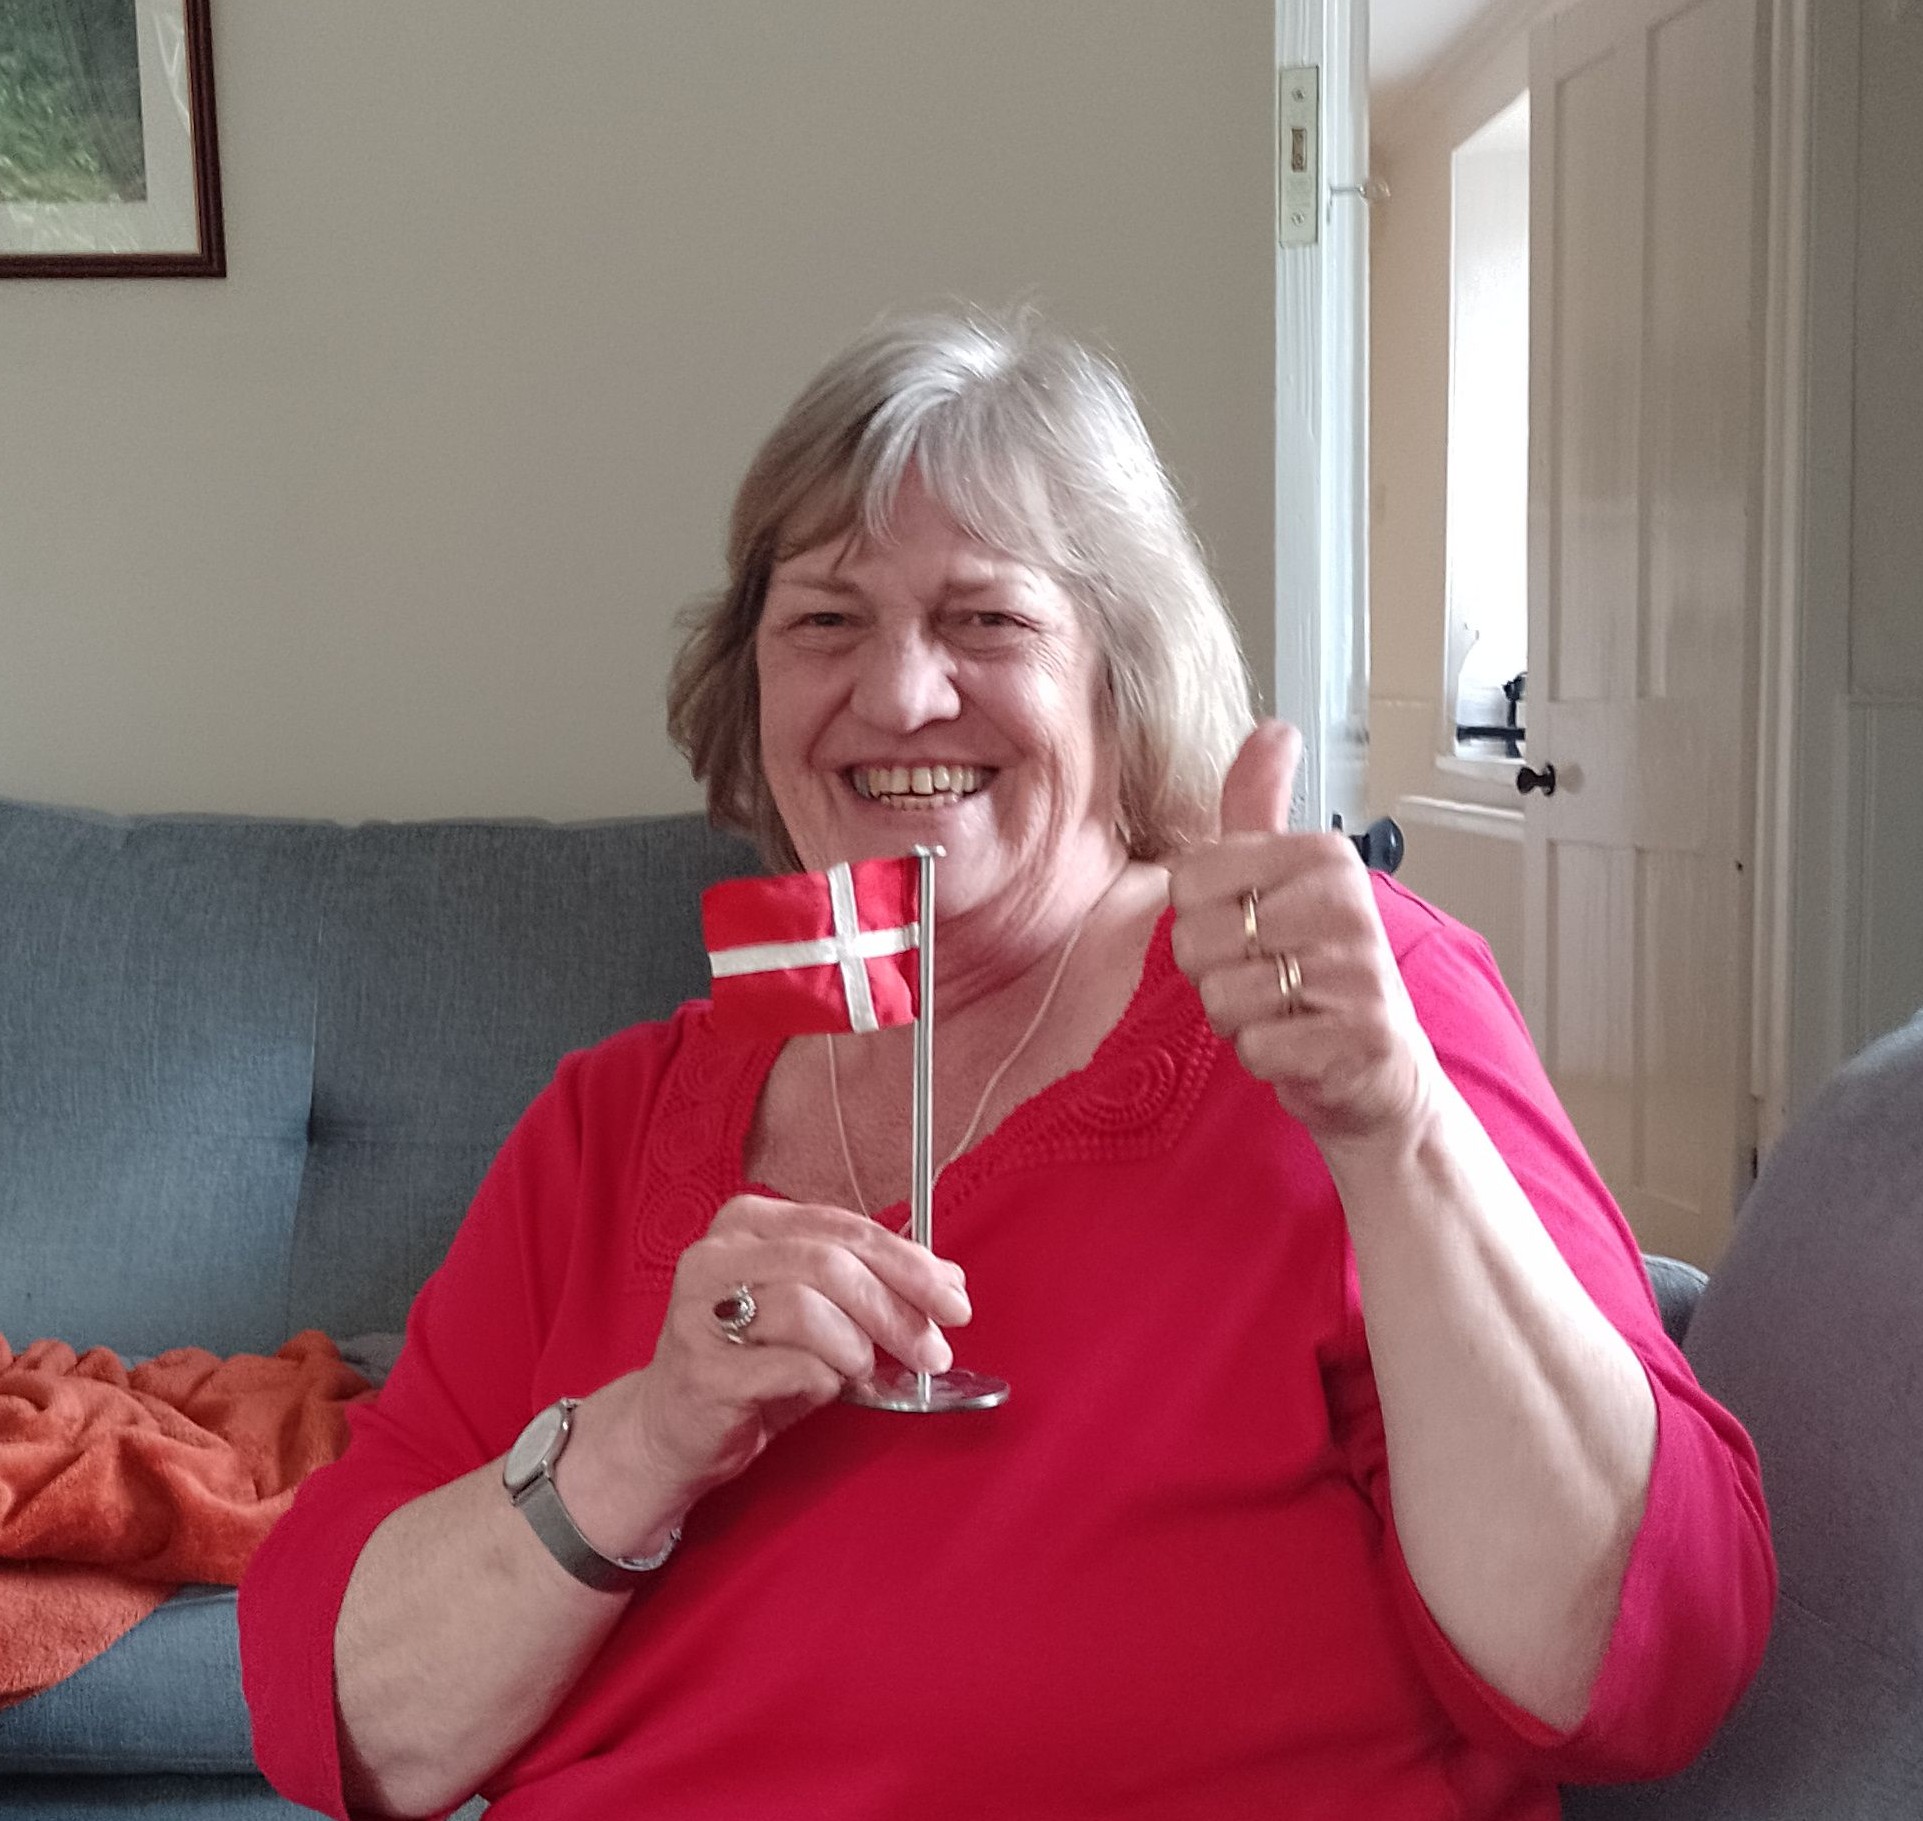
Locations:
(1298, 195)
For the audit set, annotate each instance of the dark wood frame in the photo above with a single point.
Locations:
(210, 261)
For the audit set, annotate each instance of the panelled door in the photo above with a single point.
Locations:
(1648, 224)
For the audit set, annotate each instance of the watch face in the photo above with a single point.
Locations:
(525, 1457)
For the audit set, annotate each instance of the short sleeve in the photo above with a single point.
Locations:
(1700, 1583)
(458, 1395)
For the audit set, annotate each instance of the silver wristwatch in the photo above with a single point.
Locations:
(528, 1475)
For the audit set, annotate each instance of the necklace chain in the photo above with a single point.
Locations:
(994, 1080)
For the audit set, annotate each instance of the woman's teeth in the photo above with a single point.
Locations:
(881, 783)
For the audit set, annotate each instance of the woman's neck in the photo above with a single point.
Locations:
(988, 986)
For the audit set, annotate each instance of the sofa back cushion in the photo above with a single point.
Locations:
(251, 1072)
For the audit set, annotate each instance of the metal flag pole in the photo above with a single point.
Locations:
(892, 1388)
(921, 1205)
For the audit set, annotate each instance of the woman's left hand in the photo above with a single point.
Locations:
(1334, 1033)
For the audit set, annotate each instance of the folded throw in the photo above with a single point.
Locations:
(117, 1486)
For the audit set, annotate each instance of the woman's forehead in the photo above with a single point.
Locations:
(850, 520)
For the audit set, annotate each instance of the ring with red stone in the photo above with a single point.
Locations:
(734, 1314)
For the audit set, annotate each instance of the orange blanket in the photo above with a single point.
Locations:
(116, 1486)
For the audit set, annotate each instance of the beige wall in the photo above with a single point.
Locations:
(392, 521)
(1462, 821)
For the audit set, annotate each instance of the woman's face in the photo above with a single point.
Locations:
(932, 689)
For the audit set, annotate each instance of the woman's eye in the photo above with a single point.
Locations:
(987, 622)
(816, 619)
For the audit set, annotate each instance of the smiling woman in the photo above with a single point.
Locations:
(1032, 450)
(1227, 1550)
(882, 658)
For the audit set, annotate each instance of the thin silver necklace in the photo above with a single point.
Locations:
(994, 1080)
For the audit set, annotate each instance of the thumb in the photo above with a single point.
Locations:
(1260, 784)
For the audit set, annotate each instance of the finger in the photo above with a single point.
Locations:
(1306, 911)
(933, 1286)
(1221, 871)
(789, 1381)
(1257, 791)
(1244, 993)
(1328, 1077)
(794, 1313)
(879, 1313)
(710, 1369)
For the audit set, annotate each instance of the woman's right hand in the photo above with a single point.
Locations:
(830, 1289)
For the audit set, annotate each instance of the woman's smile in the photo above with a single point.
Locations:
(923, 686)
(917, 786)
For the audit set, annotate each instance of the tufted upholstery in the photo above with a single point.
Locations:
(251, 1072)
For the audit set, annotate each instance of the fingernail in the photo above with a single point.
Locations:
(937, 1354)
(956, 1307)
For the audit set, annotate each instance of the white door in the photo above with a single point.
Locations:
(1648, 187)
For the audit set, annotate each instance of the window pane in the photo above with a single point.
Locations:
(1488, 475)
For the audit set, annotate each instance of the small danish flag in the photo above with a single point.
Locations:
(804, 952)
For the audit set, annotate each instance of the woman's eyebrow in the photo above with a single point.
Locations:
(824, 584)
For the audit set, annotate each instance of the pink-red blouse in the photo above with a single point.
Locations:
(1162, 1582)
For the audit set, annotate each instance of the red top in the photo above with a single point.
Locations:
(1161, 1582)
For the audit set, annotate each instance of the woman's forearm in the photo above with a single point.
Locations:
(1519, 1425)
(459, 1634)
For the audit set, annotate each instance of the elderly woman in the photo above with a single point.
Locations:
(1348, 1471)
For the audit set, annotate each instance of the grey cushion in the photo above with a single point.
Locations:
(1679, 1288)
(151, 1798)
(1811, 1331)
(165, 1698)
(251, 1072)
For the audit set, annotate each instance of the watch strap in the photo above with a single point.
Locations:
(541, 1504)
(539, 1501)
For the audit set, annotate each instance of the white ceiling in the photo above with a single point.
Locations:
(1407, 37)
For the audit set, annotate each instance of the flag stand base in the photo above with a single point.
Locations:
(926, 1393)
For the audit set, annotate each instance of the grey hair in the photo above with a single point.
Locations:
(1034, 445)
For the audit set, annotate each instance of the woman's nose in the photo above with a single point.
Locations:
(906, 681)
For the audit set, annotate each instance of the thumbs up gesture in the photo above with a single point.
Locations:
(1281, 936)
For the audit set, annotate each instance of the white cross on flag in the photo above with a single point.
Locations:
(804, 952)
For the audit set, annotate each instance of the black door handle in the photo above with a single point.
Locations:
(1529, 779)
(1380, 844)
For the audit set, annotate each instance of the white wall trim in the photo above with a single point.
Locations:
(1320, 682)
(1785, 468)
(1813, 983)
(1461, 818)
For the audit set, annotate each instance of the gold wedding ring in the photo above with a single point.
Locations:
(1288, 981)
(1251, 936)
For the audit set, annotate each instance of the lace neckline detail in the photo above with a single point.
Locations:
(1131, 1099)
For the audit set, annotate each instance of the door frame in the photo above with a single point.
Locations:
(1321, 677)
(1804, 984)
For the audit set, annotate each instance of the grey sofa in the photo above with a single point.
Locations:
(1811, 1331)
(250, 1075)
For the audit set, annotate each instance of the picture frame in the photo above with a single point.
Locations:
(109, 160)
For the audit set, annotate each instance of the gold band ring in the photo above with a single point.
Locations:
(1251, 936)
(1288, 981)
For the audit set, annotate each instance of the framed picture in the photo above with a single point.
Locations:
(108, 161)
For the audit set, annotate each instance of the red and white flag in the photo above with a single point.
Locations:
(805, 952)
